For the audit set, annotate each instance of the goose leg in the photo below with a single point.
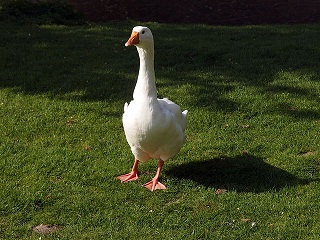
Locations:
(154, 184)
(133, 175)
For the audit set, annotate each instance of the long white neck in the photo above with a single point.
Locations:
(146, 86)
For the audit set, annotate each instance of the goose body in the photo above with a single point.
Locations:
(154, 128)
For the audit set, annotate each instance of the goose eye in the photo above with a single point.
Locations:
(143, 32)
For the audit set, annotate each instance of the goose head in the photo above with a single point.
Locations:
(140, 37)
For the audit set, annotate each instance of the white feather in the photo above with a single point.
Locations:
(154, 128)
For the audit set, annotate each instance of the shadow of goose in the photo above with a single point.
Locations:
(243, 173)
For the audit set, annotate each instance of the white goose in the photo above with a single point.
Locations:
(154, 127)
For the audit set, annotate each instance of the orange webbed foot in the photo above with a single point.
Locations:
(154, 184)
(128, 177)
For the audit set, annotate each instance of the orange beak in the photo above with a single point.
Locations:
(133, 40)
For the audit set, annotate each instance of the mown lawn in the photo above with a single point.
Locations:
(253, 95)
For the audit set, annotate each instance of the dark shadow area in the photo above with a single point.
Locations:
(295, 113)
(72, 63)
(243, 173)
(91, 63)
(216, 61)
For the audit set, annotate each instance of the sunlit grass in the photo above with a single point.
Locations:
(254, 118)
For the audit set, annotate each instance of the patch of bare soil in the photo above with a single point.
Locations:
(45, 228)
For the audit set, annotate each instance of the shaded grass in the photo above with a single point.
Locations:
(253, 97)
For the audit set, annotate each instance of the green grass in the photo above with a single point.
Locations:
(253, 97)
